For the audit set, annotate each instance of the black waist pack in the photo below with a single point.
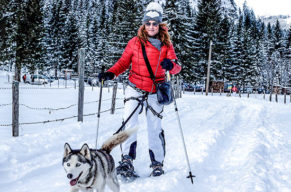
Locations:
(165, 93)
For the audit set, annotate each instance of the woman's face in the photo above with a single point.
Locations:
(152, 28)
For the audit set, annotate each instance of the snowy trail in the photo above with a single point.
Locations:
(233, 144)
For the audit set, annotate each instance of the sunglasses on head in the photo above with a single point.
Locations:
(155, 24)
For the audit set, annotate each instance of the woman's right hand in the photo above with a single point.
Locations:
(106, 76)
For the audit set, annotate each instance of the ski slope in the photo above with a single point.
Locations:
(234, 144)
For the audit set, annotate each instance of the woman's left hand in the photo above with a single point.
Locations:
(167, 64)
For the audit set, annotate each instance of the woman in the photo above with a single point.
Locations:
(161, 55)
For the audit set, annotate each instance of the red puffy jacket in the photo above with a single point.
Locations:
(139, 74)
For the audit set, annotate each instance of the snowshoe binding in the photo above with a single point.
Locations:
(125, 170)
(157, 169)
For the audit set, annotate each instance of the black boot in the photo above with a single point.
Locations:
(126, 169)
(157, 169)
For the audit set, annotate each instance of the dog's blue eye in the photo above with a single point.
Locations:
(78, 165)
(68, 164)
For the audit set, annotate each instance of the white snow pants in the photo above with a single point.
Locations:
(156, 138)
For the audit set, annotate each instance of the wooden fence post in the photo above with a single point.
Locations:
(276, 97)
(15, 109)
(285, 97)
(81, 62)
(208, 68)
(114, 91)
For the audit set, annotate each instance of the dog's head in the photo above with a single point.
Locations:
(76, 163)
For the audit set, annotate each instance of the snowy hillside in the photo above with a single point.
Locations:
(234, 144)
(285, 20)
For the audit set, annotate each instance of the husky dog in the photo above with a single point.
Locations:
(90, 169)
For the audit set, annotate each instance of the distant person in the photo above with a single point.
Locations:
(234, 89)
(24, 78)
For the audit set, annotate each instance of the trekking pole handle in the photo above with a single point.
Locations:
(102, 72)
(168, 76)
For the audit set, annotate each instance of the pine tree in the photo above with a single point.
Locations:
(249, 68)
(122, 27)
(288, 57)
(184, 53)
(57, 32)
(205, 29)
(34, 32)
(20, 37)
(178, 15)
(262, 54)
(223, 68)
(8, 26)
(271, 66)
(278, 52)
(71, 44)
(172, 19)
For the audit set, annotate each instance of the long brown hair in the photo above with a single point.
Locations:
(163, 34)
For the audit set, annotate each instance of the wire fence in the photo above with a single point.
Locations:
(55, 109)
(60, 119)
(178, 94)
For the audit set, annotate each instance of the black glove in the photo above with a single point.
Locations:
(106, 76)
(167, 64)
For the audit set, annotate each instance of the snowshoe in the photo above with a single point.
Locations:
(125, 170)
(157, 169)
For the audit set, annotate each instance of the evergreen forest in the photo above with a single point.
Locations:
(45, 35)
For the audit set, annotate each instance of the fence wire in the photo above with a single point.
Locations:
(54, 109)
(56, 120)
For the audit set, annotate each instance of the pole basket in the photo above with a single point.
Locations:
(190, 176)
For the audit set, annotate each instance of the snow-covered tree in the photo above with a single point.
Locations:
(206, 26)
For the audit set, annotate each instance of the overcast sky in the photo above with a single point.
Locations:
(268, 7)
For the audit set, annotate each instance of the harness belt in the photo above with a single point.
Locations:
(142, 105)
(140, 99)
(155, 112)
(138, 89)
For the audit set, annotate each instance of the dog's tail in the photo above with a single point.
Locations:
(117, 139)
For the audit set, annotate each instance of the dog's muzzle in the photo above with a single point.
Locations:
(74, 181)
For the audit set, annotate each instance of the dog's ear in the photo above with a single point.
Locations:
(68, 149)
(85, 151)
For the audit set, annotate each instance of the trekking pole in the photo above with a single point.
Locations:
(99, 105)
(182, 135)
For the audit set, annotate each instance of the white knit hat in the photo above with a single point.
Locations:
(154, 12)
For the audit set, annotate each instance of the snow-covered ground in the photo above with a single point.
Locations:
(234, 144)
